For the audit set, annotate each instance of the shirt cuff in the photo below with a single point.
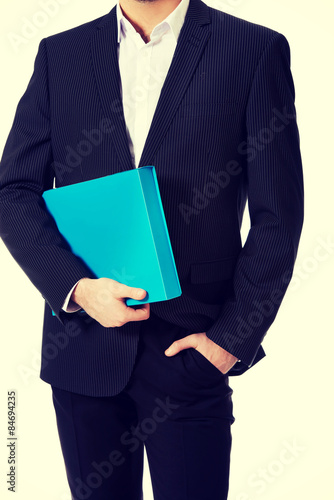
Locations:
(69, 306)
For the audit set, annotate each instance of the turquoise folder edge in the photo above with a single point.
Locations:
(158, 227)
(157, 219)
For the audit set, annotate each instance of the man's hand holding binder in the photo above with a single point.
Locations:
(104, 300)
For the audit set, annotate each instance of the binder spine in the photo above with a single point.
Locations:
(149, 217)
(162, 242)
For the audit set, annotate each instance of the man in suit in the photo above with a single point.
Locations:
(208, 99)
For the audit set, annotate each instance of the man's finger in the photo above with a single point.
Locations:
(138, 314)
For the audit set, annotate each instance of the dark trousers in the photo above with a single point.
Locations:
(178, 407)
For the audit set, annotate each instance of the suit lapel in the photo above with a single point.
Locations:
(189, 48)
(191, 42)
(106, 69)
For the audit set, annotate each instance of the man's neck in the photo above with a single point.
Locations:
(144, 15)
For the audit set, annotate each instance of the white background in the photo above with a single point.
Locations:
(285, 400)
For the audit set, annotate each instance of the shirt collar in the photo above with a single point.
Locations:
(175, 20)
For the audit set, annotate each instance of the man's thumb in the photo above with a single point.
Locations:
(135, 293)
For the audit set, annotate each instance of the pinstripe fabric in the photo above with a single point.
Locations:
(224, 130)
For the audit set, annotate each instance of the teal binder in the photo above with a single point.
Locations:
(117, 226)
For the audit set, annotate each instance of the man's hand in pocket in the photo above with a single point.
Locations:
(222, 359)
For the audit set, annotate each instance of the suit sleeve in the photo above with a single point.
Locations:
(275, 200)
(26, 227)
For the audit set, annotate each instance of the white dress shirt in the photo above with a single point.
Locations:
(143, 69)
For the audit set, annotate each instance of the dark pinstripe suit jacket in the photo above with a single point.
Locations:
(224, 130)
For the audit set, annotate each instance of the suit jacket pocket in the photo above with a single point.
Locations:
(201, 108)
